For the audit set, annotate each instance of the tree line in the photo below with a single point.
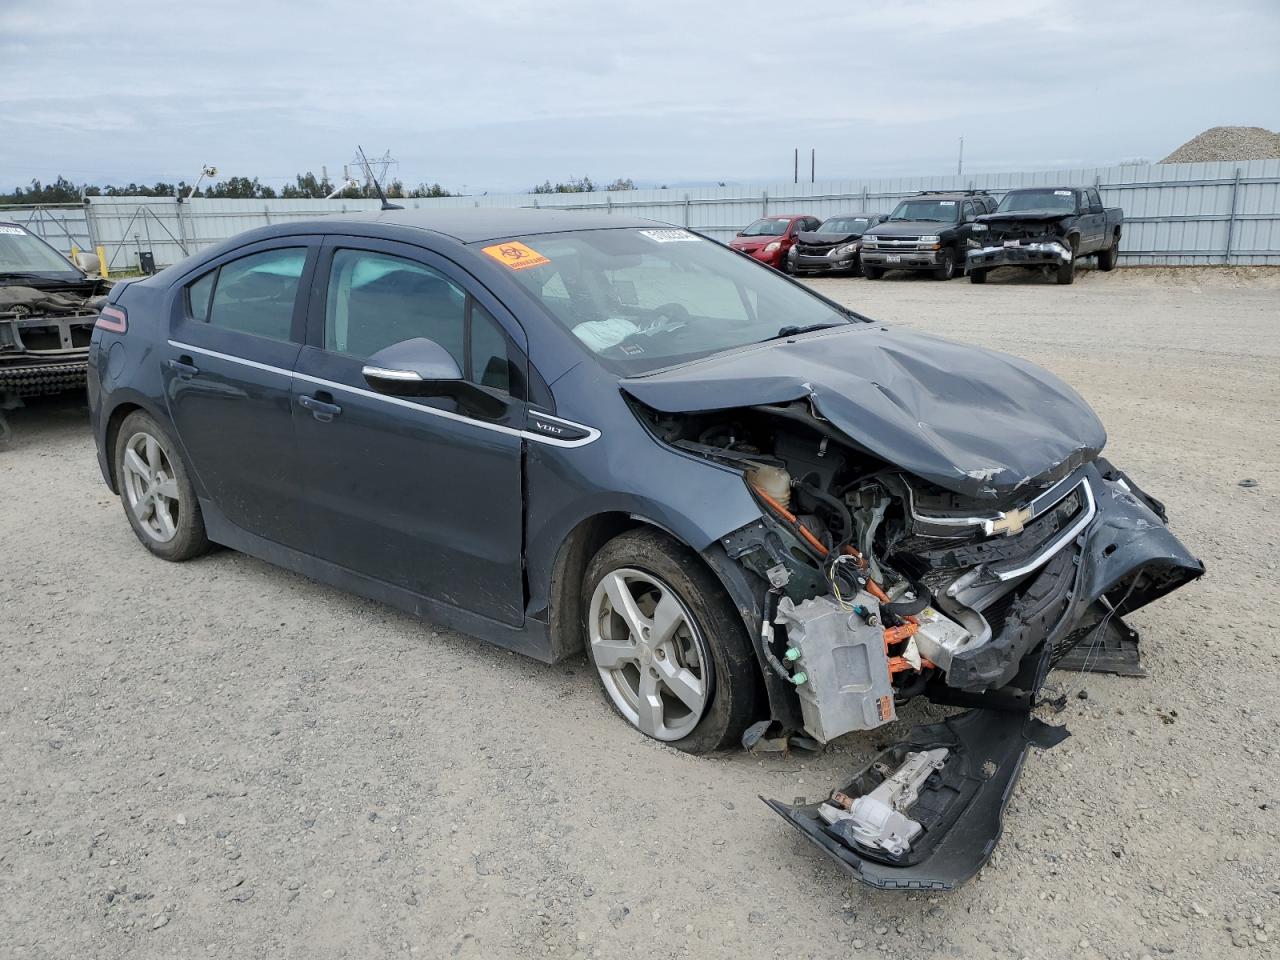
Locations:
(306, 187)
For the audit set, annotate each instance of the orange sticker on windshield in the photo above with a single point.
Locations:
(516, 255)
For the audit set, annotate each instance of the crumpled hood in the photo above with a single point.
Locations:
(979, 423)
(1023, 216)
(818, 237)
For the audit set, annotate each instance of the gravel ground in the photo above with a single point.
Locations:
(1228, 143)
(223, 759)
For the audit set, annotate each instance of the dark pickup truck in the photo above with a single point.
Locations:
(929, 231)
(47, 311)
(1045, 227)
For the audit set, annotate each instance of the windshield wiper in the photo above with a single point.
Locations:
(791, 331)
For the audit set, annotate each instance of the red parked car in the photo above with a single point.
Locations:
(769, 238)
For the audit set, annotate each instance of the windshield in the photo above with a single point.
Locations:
(768, 227)
(1064, 200)
(844, 225)
(644, 299)
(23, 252)
(939, 211)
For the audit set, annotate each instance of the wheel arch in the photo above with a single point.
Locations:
(111, 434)
(744, 590)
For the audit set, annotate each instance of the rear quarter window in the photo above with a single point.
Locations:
(256, 294)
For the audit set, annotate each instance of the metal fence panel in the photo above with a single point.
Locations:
(1189, 213)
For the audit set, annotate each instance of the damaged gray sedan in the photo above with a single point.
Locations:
(760, 513)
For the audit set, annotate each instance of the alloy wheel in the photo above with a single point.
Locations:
(151, 487)
(650, 654)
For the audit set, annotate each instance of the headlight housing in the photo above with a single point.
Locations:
(772, 246)
(979, 228)
(845, 248)
(931, 238)
(870, 238)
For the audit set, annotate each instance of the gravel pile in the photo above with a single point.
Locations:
(1228, 143)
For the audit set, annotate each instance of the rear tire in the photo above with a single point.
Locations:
(872, 273)
(946, 270)
(977, 276)
(1108, 258)
(1067, 271)
(706, 659)
(156, 491)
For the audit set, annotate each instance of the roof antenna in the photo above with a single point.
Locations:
(376, 185)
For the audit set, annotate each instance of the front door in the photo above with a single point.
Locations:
(417, 493)
(235, 334)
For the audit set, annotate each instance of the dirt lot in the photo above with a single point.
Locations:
(221, 759)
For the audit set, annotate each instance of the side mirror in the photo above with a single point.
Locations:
(409, 367)
(422, 368)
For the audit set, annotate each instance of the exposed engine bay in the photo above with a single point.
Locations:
(44, 337)
(880, 586)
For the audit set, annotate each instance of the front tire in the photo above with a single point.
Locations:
(977, 276)
(1067, 271)
(671, 650)
(872, 273)
(946, 270)
(156, 490)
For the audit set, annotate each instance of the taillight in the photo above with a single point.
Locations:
(113, 318)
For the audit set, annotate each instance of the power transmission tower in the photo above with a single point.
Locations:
(367, 169)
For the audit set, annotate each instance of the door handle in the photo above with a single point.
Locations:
(320, 409)
(184, 367)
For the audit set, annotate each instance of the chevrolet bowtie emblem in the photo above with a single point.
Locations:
(1010, 524)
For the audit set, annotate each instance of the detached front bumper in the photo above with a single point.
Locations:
(1047, 253)
(949, 820)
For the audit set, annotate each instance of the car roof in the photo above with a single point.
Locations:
(1042, 189)
(472, 225)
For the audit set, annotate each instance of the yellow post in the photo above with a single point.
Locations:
(75, 255)
(102, 262)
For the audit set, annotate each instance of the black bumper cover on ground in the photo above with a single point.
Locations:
(961, 807)
(1123, 560)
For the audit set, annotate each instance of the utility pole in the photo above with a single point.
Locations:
(813, 162)
(795, 176)
(960, 162)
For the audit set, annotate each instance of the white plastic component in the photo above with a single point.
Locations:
(878, 819)
(940, 638)
(774, 481)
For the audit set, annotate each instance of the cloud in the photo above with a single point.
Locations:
(504, 96)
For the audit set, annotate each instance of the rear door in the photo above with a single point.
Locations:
(414, 492)
(1088, 224)
(235, 333)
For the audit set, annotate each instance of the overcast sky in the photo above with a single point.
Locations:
(501, 96)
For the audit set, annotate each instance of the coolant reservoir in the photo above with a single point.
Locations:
(774, 481)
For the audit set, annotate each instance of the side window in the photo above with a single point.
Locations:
(489, 365)
(376, 300)
(969, 211)
(255, 294)
(198, 295)
(1095, 201)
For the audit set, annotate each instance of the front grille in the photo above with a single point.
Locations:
(965, 553)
